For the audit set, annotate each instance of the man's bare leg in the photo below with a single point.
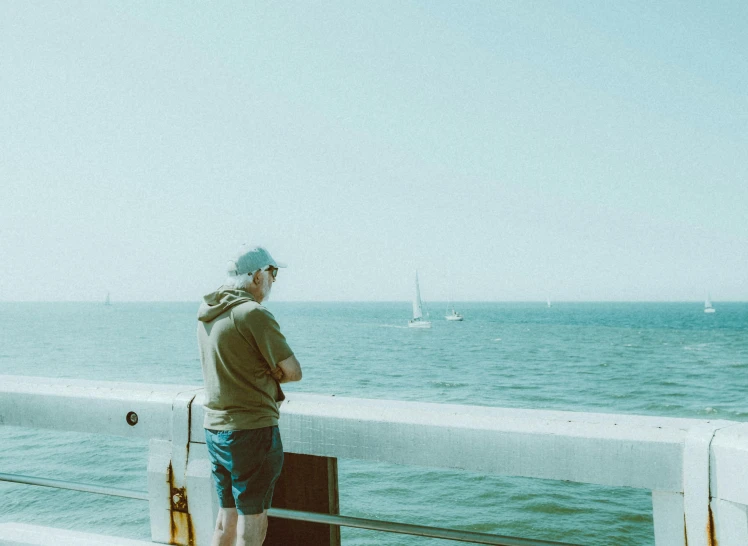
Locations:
(251, 529)
(225, 533)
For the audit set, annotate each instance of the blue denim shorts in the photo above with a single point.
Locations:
(246, 464)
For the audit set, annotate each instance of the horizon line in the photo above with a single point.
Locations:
(112, 302)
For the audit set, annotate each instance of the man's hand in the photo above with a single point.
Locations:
(277, 373)
(291, 369)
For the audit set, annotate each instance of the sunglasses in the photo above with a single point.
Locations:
(273, 272)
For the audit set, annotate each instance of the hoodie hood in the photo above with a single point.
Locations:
(220, 301)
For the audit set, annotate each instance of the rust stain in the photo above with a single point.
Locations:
(181, 531)
(179, 500)
(711, 531)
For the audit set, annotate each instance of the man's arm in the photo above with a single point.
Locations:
(288, 370)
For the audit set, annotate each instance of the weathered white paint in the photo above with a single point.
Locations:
(680, 460)
(181, 464)
(696, 484)
(98, 407)
(197, 478)
(21, 534)
(159, 492)
(729, 485)
(606, 449)
(729, 452)
(199, 481)
(731, 521)
(669, 518)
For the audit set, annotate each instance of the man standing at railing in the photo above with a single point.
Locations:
(244, 359)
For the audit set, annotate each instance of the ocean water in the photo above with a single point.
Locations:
(667, 359)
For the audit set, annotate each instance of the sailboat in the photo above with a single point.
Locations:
(451, 313)
(418, 321)
(107, 301)
(708, 305)
(548, 302)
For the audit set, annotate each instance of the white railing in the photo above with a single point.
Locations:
(697, 470)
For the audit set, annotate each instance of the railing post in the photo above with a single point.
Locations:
(181, 507)
(729, 485)
(696, 464)
(713, 507)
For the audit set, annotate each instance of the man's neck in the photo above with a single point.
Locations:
(255, 293)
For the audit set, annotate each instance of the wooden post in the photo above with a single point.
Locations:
(308, 483)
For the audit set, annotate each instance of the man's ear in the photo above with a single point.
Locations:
(256, 277)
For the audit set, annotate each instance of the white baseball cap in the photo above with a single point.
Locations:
(251, 258)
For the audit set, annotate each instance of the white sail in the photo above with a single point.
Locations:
(708, 305)
(418, 321)
(417, 306)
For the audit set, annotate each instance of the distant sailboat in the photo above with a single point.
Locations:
(548, 302)
(451, 313)
(418, 321)
(107, 301)
(708, 305)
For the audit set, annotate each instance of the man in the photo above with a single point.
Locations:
(244, 357)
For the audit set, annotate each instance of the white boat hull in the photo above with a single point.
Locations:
(453, 317)
(419, 324)
(708, 304)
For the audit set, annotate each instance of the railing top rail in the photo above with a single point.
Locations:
(105, 389)
(331, 405)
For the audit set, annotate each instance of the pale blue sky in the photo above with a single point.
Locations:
(586, 151)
